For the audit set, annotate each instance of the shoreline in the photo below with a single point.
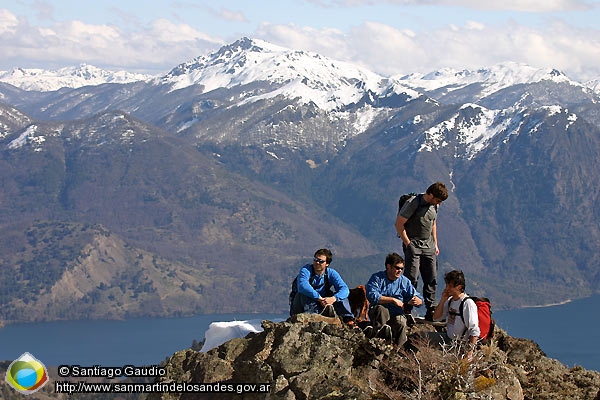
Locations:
(549, 305)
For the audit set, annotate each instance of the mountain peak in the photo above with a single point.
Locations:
(299, 74)
(256, 45)
(35, 79)
(494, 78)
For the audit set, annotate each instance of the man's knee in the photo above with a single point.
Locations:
(379, 315)
(398, 324)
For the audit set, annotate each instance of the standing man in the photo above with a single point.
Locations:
(321, 290)
(416, 226)
(388, 293)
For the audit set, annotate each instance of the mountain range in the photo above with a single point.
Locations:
(35, 79)
(205, 189)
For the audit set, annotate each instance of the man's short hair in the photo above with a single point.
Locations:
(456, 278)
(393, 259)
(438, 190)
(326, 253)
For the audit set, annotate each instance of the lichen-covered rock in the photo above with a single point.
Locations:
(314, 357)
(545, 378)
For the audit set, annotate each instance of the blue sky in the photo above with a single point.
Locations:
(391, 37)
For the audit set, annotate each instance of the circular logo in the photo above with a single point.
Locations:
(26, 374)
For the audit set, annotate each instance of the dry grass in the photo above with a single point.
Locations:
(440, 373)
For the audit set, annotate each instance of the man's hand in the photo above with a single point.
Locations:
(415, 301)
(323, 301)
(445, 295)
(398, 302)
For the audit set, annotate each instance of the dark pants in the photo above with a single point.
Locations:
(380, 315)
(422, 261)
(437, 339)
(305, 304)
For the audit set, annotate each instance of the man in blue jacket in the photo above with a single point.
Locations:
(321, 289)
(388, 292)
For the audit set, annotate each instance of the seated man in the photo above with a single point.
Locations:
(388, 291)
(321, 290)
(465, 328)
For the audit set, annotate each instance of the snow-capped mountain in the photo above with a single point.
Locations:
(307, 76)
(492, 79)
(264, 85)
(41, 80)
(516, 145)
(594, 84)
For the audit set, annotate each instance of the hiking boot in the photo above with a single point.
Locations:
(328, 311)
(408, 346)
(429, 314)
(368, 331)
(351, 322)
(385, 333)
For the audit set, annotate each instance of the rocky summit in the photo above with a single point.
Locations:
(313, 357)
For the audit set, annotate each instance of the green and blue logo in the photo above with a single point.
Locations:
(26, 374)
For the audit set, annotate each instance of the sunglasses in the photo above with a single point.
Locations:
(319, 261)
(398, 268)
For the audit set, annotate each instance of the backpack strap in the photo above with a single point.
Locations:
(460, 311)
(310, 281)
(326, 283)
(421, 203)
(326, 280)
(462, 307)
(410, 197)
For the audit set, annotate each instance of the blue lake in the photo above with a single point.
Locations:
(569, 332)
(141, 341)
(566, 332)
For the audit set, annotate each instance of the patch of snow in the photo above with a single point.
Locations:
(594, 85)
(186, 125)
(27, 135)
(272, 155)
(553, 110)
(475, 132)
(571, 118)
(220, 332)
(365, 117)
(435, 137)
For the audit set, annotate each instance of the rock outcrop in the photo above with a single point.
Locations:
(313, 357)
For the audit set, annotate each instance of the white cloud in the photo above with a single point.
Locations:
(390, 51)
(44, 10)
(474, 26)
(518, 5)
(161, 44)
(8, 21)
(169, 32)
(78, 32)
(328, 41)
(230, 15)
(155, 48)
(509, 5)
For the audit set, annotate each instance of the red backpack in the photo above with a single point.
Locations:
(484, 313)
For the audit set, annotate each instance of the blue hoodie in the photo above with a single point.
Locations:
(306, 277)
(380, 285)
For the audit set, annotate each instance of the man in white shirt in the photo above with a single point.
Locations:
(465, 328)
